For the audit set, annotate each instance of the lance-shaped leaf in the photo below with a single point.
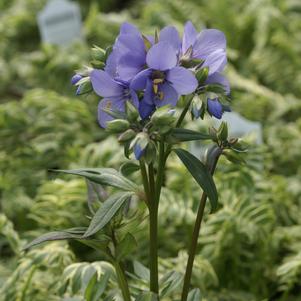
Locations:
(104, 176)
(107, 211)
(180, 135)
(201, 174)
(74, 233)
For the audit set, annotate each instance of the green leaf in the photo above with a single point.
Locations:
(141, 271)
(170, 282)
(126, 246)
(56, 235)
(96, 288)
(194, 295)
(107, 211)
(181, 135)
(147, 296)
(201, 174)
(129, 167)
(104, 176)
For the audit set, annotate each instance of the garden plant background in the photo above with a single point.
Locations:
(248, 250)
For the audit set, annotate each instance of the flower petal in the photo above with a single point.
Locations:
(133, 44)
(182, 80)
(149, 95)
(215, 108)
(109, 103)
(208, 41)
(104, 85)
(162, 56)
(189, 36)
(145, 109)
(134, 98)
(126, 28)
(128, 67)
(111, 64)
(217, 78)
(216, 61)
(170, 96)
(170, 34)
(139, 81)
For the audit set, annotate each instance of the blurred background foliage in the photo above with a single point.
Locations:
(248, 251)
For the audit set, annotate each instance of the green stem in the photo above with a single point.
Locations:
(122, 281)
(145, 181)
(195, 236)
(120, 274)
(183, 114)
(153, 248)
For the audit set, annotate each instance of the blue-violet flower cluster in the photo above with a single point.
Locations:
(154, 71)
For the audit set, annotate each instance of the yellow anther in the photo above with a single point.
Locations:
(157, 81)
(161, 95)
(109, 104)
(155, 88)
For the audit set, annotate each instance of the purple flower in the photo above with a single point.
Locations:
(215, 108)
(209, 46)
(138, 151)
(115, 93)
(76, 78)
(129, 54)
(163, 80)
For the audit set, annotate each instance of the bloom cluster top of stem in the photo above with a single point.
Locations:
(141, 74)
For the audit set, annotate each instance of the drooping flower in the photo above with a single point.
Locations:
(209, 46)
(115, 94)
(163, 80)
(214, 107)
(76, 78)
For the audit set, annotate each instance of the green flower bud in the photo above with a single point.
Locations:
(97, 64)
(127, 135)
(163, 116)
(117, 126)
(202, 75)
(150, 153)
(222, 132)
(131, 112)
(98, 53)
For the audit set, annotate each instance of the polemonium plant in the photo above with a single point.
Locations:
(147, 86)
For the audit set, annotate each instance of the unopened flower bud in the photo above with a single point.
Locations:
(131, 112)
(76, 78)
(127, 135)
(202, 75)
(163, 116)
(117, 126)
(84, 88)
(222, 132)
(139, 144)
(98, 53)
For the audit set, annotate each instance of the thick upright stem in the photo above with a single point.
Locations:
(153, 250)
(195, 234)
(122, 281)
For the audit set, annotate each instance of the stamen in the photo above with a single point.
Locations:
(161, 95)
(158, 81)
(155, 86)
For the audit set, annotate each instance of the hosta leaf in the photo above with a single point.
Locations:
(141, 271)
(104, 176)
(107, 211)
(147, 296)
(201, 174)
(194, 295)
(180, 135)
(170, 282)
